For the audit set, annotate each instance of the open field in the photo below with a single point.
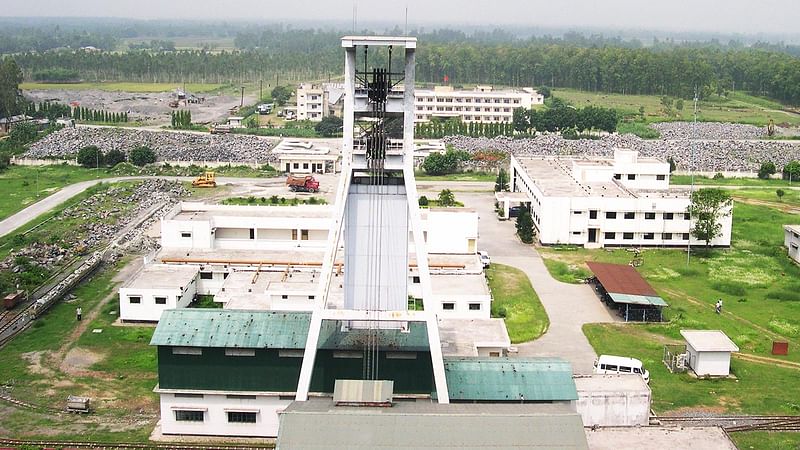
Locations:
(21, 186)
(738, 107)
(755, 279)
(766, 440)
(122, 87)
(461, 176)
(515, 299)
(685, 180)
(58, 357)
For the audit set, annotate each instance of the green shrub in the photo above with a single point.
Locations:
(729, 288)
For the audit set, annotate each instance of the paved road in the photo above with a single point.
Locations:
(568, 306)
(46, 204)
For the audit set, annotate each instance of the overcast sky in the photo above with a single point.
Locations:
(728, 16)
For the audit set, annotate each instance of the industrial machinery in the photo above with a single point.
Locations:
(302, 184)
(174, 103)
(220, 129)
(207, 179)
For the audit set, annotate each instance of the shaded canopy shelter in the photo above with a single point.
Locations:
(621, 286)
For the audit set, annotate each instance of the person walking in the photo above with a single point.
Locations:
(718, 306)
(78, 314)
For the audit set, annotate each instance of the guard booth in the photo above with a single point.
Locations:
(622, 288)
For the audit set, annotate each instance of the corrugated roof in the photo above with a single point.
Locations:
(507, 379)
(621, 279)
(415, 339)
(709, 341)
(317, 424)
(195, 327)
(638, 299)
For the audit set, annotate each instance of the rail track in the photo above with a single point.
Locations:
(736, 423)
(129, 445)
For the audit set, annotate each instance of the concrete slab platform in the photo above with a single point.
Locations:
(658, 438)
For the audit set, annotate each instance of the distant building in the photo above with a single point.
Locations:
(312, 102)
(156, 288)
(791, 240)
(8, 123)
(709, 352)
(482, 104)
(601, 202)
(235, 122)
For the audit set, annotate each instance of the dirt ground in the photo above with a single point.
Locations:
(150, 108)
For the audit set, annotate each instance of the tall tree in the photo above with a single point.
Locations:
(501, 183)
(10, 96)
(707, 208)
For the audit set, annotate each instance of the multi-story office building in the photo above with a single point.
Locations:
(312, 102)
(482, 104)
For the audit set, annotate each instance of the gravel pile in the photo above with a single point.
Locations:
(169, 146)
(708, 130)
(709, 155)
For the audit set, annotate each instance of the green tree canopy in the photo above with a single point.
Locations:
(525, 225)
(142, 156)
(281, 95)
(114, 157)
(768, 168)
(708, 206)
(446, 198)
(90, 156)
(10, 96)
(501, 182)
(329, 126)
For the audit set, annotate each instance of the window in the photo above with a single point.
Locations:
(189, 416)
(303, 235)
(610, 236)
(284, 297)
(631, 176)
(576, 233)
(593, 214)
(186, 234)
(401, 355)
(187, 351)
(348, 355)
(240, 352)
(180, 395)
(577, 212)
(637, 370)
(252, 233)
(294, 235)
(611, 367)
(161, 300)
(624, 369)
(668, 216)
(135, 300)
(241, 417)
(687, 216)
(296, 165)
(240, 397)
(311, 297)
(630, 215)
(627, 236)
(290, 353)
(415, 280)
(650, 216)
(448, 306)
(666, 236)
(611, 215)
(661, 177)
(617, 176)
(685, 236)
(474, 306)
(649, 236)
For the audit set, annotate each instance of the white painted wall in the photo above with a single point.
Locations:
(613, 408)
(715, 364)
(148, 310)
(450, 230)
(791, 240)
(215, 421)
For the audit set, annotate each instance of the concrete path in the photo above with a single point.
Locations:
(568, 306)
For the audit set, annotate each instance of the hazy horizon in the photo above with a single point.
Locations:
(772, 17)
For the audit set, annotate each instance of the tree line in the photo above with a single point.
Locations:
(436, 129)
(98, 115)
(561, 116)
(182, 119)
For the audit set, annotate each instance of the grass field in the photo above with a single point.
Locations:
(766, 440)
(685, 180)
(515, 299)
(461, 176)
(738, 107)
(50, 361)
(123, 86)
(21, 186)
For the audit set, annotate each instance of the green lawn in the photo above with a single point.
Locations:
(566, 273)
(461, 176)
(124, 86)
(515, 299)
(756, 280)
(738, 107)
(20, 186)
(758, 389)
(120, 382)
(685, 180)
(766, 440)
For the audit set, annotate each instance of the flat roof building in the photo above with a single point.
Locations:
(613, 400)
(483, 104)
(312, 102)
(156, 288)
(709, 352)
(598, 202)
(791, 240)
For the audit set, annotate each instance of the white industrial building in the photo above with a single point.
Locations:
(600, 202)
(306, 157)
(482, 104)
(613, 400)
(709, 352)
(791, 240)
(156, 288)
(312, 102)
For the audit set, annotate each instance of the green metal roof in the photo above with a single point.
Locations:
(499, 379)
(638, 299)
(195, 327)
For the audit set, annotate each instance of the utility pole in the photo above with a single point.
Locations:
(241, 104)
(260, 90)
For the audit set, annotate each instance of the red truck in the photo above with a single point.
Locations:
(302, 184)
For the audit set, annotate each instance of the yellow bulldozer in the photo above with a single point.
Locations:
(207, 179)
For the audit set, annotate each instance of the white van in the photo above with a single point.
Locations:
(608, 364)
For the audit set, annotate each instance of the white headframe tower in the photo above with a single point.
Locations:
(376, 202)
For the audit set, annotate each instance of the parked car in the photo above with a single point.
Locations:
(514, 211)
(609, 364)
(485, 260)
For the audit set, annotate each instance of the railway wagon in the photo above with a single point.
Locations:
(11, 300)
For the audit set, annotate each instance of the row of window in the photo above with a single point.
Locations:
(450, 306)
(199, 416)
(632, 176)
(466, 108)
(291, 353)
(632, 215)
(610, 236)
(136, 300)
(468, 100)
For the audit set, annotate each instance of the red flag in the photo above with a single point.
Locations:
(446, 79)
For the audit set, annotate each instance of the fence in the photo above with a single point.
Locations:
(675, 358)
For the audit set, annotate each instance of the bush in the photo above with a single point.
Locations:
(729, 288)
(114, 157)
(423, 201)
(142, 156)
(791, 171)
(718, 176)
(768, 168)
(329, 126)
(446, 198)
(90, 157)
